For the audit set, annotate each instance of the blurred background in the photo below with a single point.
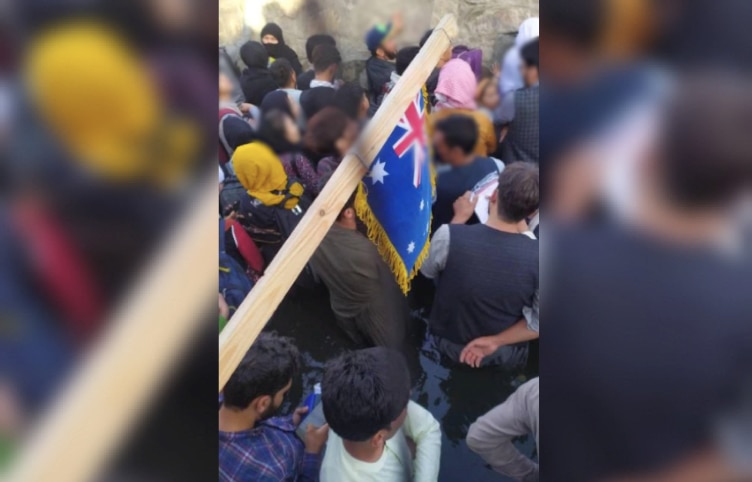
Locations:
(490, 25)
(646, 162)
(106, 125)
(107, 128)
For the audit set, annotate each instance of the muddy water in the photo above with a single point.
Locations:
(455, 395)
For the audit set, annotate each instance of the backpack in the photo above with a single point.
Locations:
(231, 195)
(270, 226)
(234, 285)
(225, 151)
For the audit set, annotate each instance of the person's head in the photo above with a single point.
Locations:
(456, 86)
(260, 171)
(454, 139)
(279, 131)
(517, 196)
(225, 87)
(488, 94)
(573, 29)
(404, 57)
(326, 60)
(347, 217)
(316, 40)
(365, 393)
(351, 99)
(254, 55)
(381, 43)
(702, 160)
(279, 100)
(330, 133)
(529, 66)
(313, 100)
(272, 34)
(283, 74)
(446, 56)
(264, 376)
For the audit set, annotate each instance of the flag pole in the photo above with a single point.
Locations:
(265, 297)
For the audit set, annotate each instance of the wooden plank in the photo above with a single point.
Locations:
(258, 307)
(146, 336)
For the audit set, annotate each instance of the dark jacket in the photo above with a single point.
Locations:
(315, 99)
(282, 51)
(378, 73)
(256, 80)
(256, 83)
(304, 79)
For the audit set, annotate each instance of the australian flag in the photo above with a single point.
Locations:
(394, 199)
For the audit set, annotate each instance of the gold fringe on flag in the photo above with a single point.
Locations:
(379, 237)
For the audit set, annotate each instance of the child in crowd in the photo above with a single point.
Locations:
(378, 433)
(487, 96)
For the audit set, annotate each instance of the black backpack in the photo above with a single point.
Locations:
(234, 284)
(231, 195)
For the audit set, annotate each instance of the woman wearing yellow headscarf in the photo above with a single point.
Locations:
(260, 171)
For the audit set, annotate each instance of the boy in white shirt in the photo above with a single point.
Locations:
(377, 433)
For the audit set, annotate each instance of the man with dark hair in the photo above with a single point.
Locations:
(326, 60)
(366, 400)
(454, 139)
(284, 75)
(404, 57)
(304, 79)
(351, 99)
(519, 112)
(380, 41)
(253, 444)
(486, 305)
(367, 303)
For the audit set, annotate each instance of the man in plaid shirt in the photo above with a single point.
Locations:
(254, 445)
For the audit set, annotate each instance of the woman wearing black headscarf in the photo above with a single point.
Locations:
(256, 80)
(274, 41)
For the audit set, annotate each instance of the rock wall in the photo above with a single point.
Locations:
(487, 24)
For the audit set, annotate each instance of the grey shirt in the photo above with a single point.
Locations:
(492, 435)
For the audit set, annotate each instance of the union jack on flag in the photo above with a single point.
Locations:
(394, 199)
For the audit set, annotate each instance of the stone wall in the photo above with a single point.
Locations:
(488, 24)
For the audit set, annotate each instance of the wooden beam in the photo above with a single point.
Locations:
(265, 297)
(144, 339)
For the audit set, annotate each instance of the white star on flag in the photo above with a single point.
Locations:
(378, 173)
(411, 247)
(422, 204)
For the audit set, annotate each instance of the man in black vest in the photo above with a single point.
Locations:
(486, 305)
(519, 112)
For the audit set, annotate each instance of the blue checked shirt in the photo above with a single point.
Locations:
(269, 452)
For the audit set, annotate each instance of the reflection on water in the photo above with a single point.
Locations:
(455, 395)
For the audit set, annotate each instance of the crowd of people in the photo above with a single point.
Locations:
(283, 131)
